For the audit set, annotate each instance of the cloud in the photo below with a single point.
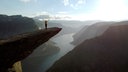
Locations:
(26, 1)
(42, 13)
(112, 10)
(73, 4)
(78, 4)
(62, 12)
(58, 16)
(42, 17)
(81, 2)
(66, 2)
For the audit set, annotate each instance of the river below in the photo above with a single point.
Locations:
(41, 64)
(63, 42)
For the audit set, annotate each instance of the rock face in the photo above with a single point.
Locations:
(20, 46)
(105, 53)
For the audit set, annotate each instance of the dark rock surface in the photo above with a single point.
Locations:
(105, 53)
(18, 47)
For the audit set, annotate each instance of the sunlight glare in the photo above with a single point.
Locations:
(107, 10)
(111, 10)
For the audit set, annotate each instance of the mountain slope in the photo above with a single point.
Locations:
(15, 24)
(105, 53)
(90, 32)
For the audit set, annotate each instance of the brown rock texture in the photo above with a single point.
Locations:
(18, 47)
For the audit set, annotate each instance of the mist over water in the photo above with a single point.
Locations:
(39, 61)
(63, 42)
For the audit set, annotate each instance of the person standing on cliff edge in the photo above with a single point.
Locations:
(46, 23)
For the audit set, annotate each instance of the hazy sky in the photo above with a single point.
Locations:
(76, 9)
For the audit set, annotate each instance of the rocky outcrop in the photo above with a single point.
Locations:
(62, 24)
(18, 47)
(105, 53)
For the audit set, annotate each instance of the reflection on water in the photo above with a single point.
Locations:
(63, 42)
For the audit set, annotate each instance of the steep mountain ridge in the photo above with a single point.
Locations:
(105, 53)
(91, 31)
(15, 24)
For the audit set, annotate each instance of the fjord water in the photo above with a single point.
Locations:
(63, 42)
(42, 63)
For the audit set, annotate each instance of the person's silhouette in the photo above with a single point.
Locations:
(46, 23)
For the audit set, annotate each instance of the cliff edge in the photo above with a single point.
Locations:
(18, 47)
